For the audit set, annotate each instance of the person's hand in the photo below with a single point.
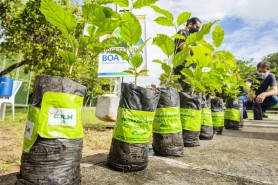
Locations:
(260, 98)
(250, 97)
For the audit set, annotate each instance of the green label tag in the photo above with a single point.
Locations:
(232, 114)
(167, 120)
(31, 128)
(206, 117)
(218, 119)
(191, 119)
(133, 126)
(60, 116)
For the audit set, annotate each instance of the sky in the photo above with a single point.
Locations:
(251, 27)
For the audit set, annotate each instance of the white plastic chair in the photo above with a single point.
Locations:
(9, 100)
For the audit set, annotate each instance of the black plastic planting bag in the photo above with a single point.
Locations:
(129, 148)
(54, 160)
(232, 114)
(190, 111)
(167, 129)
(206, 132)
(44, 84)
(217, 113)
(241, 114)
(257, 111)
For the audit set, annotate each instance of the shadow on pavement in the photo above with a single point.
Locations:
(251, 135)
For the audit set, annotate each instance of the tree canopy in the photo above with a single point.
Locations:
(25, 30)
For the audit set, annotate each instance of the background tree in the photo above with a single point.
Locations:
(273, 59)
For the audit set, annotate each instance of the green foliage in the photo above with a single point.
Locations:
(166, 13)
(165, 43)
(26, 31)
(143, 3)
(273, 59)
(216, 72)
(167, 46)
(103, 22)
(59, 17)
(131, 32)
(217, 36)
(183, 17)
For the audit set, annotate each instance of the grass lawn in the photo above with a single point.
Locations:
(96, 137)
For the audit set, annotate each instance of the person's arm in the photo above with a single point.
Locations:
(180, 42)
(272, 92)
(247, 89)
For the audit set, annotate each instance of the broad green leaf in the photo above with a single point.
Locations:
(129, 71)
(113, 42)
(68, 56)
(144, 71)
(141, 46)
(130, 28)
(183, 17)
(165, 43)
(204, 30)
(107, 27)
(95, 50)
(163, 12)
(191, 39)
(167, 69)
(83, 43)
(136, 61)
(142, 3)
(199, 56)
(57, 16)
(158, 61)
(110, 13)
(180, 57)
(187, 72)
(123, 54)
(178, 36)
(217, 36)
(207, 46)
(121, 3)
(176, 77)
(225, 55)
(94, 13)
(164, 21)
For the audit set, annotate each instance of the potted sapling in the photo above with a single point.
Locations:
(232, 88)
(54, 133)
(191, 101)
(167, 128)
(208, 56)
(129, 149)
(221, 65)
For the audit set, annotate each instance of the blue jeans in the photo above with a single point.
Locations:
(269, 102)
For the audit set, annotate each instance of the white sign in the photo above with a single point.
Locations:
(111, 64)
(206, 69)
(62, 116)
(29, 130)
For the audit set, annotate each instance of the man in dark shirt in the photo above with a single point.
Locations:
(193, 25)
(264, 92)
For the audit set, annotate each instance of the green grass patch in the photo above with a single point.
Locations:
(96, 137)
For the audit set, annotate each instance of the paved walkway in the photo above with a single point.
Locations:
(247, 156)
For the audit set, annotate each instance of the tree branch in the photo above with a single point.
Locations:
(14, 66)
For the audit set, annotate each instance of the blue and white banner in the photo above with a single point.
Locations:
(111, 64)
